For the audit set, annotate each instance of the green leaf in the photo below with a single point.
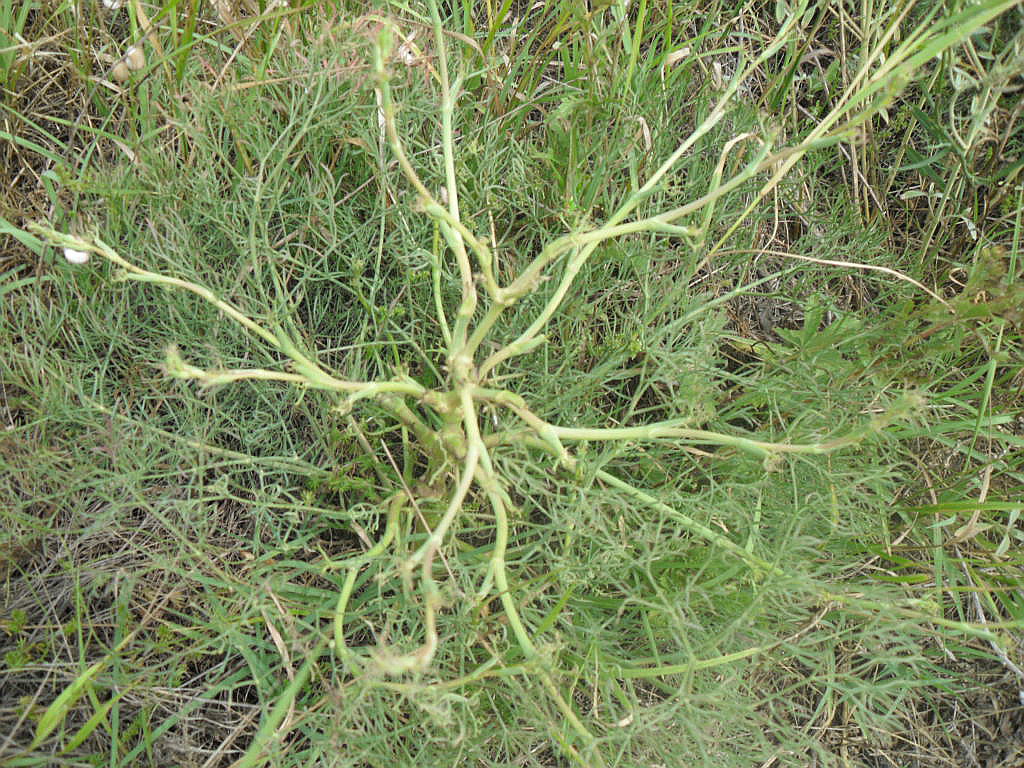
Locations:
(58, 710)
(98, 717)
(31, 242)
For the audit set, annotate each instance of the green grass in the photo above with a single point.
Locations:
(291, 477)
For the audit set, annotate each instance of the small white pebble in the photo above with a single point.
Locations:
(76, 257)
(112, 5)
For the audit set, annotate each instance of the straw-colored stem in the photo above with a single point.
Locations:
(665, 431)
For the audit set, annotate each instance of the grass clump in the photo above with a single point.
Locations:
(471, 458)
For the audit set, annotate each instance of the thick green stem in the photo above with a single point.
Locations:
(663, 432)
(483, 329)
(340, 646)
(428, 438)
(642, 673)
(553, 434)
(435, 271)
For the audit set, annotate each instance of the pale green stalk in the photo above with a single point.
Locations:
(587, 242)
(468, 305)
(553, 434)
(138, 274)
(483, 252)
(664, 431)
(641, 673)
(435, 273)
(179, 369)
(431, 442)
(430, 204)
(454, 506)
(353, 565)
(340, 647)
(483, 329)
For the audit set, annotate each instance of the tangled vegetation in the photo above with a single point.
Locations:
(508, 482)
